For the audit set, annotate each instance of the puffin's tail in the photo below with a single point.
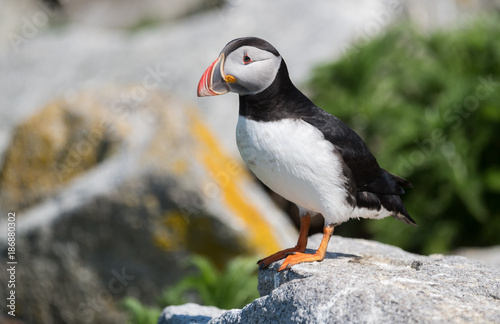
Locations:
(394, 204)
(402, 182)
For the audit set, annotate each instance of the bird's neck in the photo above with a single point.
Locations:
(280, 100)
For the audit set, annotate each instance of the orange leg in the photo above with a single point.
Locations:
(305, 222)
(319, 255)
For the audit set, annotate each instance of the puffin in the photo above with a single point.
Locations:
(298, 150)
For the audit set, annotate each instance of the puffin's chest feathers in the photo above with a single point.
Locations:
(293, 158)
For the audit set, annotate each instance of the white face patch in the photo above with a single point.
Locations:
(252, 76)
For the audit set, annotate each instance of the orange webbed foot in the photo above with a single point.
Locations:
(319, 255)
(264, 263)
(305, 222)
(299, 257)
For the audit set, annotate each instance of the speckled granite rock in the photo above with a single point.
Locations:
(487, 255)
(368, 282)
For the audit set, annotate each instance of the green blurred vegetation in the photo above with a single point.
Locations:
(428, 107)
(232, 287)
(139, 313)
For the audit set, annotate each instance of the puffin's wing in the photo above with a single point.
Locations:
(363, 166)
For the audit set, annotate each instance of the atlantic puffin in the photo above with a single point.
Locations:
(298, 150)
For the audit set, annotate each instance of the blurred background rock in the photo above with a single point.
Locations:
(118, 173)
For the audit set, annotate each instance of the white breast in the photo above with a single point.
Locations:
(293, 159)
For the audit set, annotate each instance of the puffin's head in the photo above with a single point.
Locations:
(246, 66)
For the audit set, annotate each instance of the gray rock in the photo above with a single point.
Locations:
(487, 255)
(128, 14)
(189, 314)
(368, 282)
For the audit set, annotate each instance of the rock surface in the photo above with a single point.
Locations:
(487, 255)
(368, 282)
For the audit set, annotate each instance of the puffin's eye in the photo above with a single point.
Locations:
(246, 59)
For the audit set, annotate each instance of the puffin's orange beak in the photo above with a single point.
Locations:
(213, 81)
